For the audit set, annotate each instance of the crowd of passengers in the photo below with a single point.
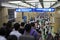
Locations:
(23, 31)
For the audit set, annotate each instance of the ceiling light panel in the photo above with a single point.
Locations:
(32, 1)
(20, 3)
(11, 5)
(50, 0)
(32, 4)
(39, 5)
(48, 3)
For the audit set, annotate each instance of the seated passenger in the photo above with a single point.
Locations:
(11, 37)
(16, 32)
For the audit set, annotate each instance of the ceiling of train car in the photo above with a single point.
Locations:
(31, 3)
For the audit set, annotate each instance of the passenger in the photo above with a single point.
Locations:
(16, 32)
(46, 35)
(56, 36)
(50, 37)
(27, 29)
(12, 37)
(21, 30)
(33, 31)
(28, 22)
(4, 25)
(59, 37)
(36, 26)
(27, 35)
(37, 21)
(2, 38)
(8, 28)
(40, 35)
(2, 34)
(9, 24)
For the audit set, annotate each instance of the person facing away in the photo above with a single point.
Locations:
(21, 29)
(59, 37)
(50, 37)
(4, 25)
(16, 32)
(26, 35)
(56, 36)
(27, 29)
(2, 34)
(40, 35)
(8, 28)
(33, 31)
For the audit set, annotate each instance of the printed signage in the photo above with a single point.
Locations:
(44, 9)
(24, 9)
(35, 9)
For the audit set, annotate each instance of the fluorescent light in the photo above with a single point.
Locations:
(48, 4)
(57, 5)
(32, 1)
(11, 5)
(20, 3)
(32, 4)
(53, 3)
(14, 2)
(50, 0)
(32, 7)
(39, 5)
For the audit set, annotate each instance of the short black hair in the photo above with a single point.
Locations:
(40, 32)
(2, 32)
(9, 24)
(22, 23)
(33, 24)
(28, 27)
(4, 24)
(16, 26)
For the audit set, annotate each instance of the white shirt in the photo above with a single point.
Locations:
(2, 38)
(16, 33)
